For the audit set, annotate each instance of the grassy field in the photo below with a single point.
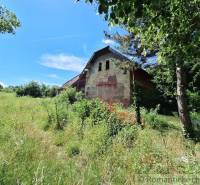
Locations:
(32, 154)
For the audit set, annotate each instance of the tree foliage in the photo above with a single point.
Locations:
(36, 90)
(1, 87)
(8, 21)
(172, 27)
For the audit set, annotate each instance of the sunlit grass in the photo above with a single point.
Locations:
(29, 154)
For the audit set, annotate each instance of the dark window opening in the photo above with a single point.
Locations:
(107, 64)
(100, 66)
(125, 71)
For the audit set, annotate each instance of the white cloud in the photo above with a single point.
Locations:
(63, 62)
(108, 42)
(53, 76)
(3, 84)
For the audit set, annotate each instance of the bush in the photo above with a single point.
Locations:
(53, 91)
(152, 98)
(32, 89)
(196, 125)
(61, 113)
(156, 122)
(57, 110)
(194, 100)
(20, 91)
(1, 87)
(72, 95)
(128, 135)
(114, 125)
(83, 108)
(99, 111)
(35, 90)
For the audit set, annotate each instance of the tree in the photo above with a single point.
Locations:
(8, 21)
(1, 87)
(173, 27)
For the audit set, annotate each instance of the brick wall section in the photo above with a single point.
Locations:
(109, 85)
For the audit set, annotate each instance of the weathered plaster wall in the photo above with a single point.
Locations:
(110, 85)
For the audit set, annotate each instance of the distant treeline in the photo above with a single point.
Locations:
(33, 89)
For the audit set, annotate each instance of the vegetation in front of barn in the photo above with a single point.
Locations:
(68, 139)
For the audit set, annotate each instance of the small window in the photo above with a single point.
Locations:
(107, 64)
(100, 66)
(125, 71)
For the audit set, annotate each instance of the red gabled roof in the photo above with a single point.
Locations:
(72, 81)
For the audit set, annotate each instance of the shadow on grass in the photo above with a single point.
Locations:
(163, 126)
(195, 132)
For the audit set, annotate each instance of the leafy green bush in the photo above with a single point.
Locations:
(114, 125)
(61, 113)
(58, 111)
(99, 111)
(20, 91)
(1, 87)
(194, 100)
(196, 125)
(48, 91)
(128, 135)
(72, 95)
(35, 90)
(53, 91)
(157, 122)
(83, 108)
(58, 108)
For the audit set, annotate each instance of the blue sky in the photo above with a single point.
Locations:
(56, 39)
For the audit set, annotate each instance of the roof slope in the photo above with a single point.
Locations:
(95, 55)
(106, 50)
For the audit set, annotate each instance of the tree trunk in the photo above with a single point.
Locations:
(134, 94)
(182, 100)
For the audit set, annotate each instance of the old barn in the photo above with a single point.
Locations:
(103, 77)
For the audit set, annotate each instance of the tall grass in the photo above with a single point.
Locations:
(102, 150)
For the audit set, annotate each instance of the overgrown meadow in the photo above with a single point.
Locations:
(71, 140)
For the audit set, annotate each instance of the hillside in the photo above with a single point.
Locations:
(88, 151)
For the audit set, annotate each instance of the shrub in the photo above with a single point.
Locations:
(57, 111)
(33, 89)
(20, 91)
(114, 125)
(194, 100)
(128, 135)
(99, 111)
(156, 122)
(72, 95)
(196, 125)
(61, 114)
(1, 87)
(83, 108)
(53, 91)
